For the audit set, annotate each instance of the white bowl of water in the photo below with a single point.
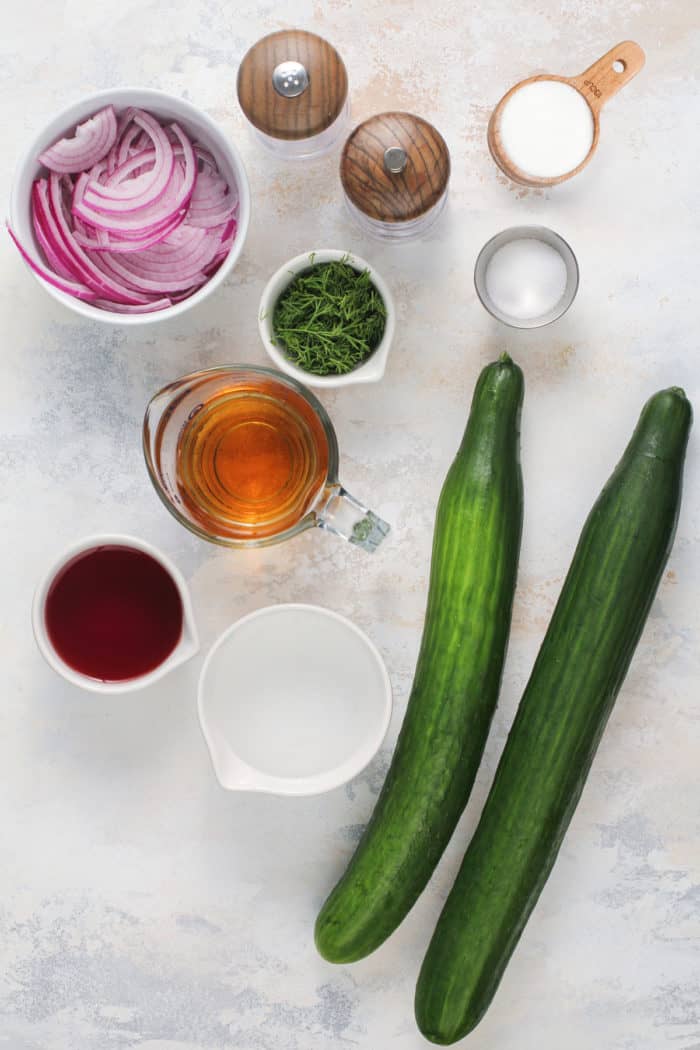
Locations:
(293, 700)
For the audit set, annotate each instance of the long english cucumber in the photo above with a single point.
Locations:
(472, 579)
(579, 670)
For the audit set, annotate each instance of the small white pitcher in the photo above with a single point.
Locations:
(293, 700)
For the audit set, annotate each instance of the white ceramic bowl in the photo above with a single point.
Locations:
(293, 700)
(373, 368)
(186, 648)
(196, 123)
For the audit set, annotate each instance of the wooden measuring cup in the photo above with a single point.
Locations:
(597, 84)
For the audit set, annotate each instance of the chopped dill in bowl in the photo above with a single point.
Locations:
(329, 319)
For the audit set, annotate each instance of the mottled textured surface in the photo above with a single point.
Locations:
(140, 905)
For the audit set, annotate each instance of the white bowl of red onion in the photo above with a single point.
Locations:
(131, 206)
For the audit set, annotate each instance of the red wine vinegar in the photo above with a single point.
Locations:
(113, 613)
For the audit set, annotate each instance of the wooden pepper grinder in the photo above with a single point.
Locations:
(395, 168)
(293, 88)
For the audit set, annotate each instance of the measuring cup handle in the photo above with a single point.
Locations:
(346, 517)
(605, 77)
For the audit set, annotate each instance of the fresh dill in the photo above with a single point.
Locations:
(329, 319)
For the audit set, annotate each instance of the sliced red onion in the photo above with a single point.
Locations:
(171, 266)
(229, 231)
(125, 119)
(46, 241)
(211, 188)
(89, 273)
(141, 196)
(122, 308)
(92, 141)
(80, 291)
(211, 218)
(118, 216)
(183, 241)
(142, 226)
(160, 285)
(127, 143)
(206, 159)
(136, 225)
(150, 225)
(44, 218)
(103, 242)
(127, 132)
(211, 203)
(144, 158)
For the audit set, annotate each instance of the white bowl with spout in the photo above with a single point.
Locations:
(185, 649)
(373, 368)
(293, 700)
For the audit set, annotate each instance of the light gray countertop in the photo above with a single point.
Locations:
(143, 907)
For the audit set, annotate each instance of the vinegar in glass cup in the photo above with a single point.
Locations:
(246, 456)
(252, 460)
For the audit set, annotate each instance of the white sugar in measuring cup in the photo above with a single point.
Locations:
(546, 128)
(293, 700)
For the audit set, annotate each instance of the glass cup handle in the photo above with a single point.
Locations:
(346, 517)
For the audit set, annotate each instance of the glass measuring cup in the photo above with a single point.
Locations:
(245, 456)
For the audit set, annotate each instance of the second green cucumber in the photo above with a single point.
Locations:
(584, 657)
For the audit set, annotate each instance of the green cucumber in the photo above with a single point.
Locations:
(472, 579)
(579, 670)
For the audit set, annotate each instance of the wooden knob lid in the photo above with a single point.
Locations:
(292, 84)
(395, 167)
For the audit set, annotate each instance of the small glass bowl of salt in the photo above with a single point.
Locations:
(526, 276)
